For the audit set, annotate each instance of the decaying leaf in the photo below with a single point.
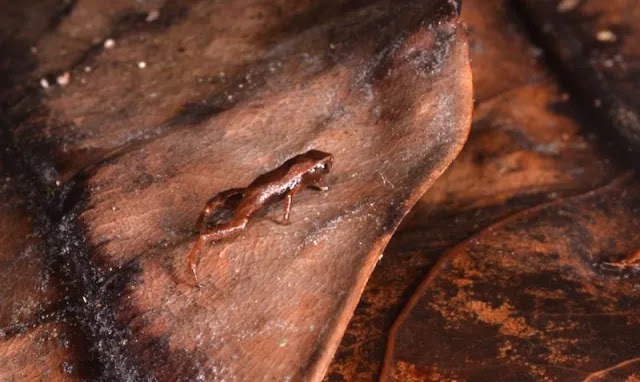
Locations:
(528, 297)
(155, 115)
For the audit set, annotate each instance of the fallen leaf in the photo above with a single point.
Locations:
(230, 91)
(528, 298)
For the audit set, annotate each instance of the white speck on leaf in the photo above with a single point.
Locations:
(606, 35)
(63, 79)
(152, 15)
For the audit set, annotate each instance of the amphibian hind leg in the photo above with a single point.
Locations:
(194, 256)
(288, 201)
(226, 230)
(218, 232)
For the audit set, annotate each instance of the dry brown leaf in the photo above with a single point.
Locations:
(528, 298)
(215, 94)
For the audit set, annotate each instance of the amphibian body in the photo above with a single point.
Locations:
(304, 170)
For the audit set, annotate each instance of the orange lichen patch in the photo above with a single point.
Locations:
(556, 356)
(503, 317)
(505, 351)
(558, 294)
(407, 372)
(463, 282)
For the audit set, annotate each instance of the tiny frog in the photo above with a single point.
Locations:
(304, 170)
(630, 264)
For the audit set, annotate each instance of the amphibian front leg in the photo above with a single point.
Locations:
(287, 208)
(218, 232)
(319, 185)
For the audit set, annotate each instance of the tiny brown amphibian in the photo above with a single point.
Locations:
(304, 170)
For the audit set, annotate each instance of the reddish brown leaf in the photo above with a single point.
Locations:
(527, 299)
(84, 30)
(200, 59)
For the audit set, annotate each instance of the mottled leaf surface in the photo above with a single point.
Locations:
(527, 299)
